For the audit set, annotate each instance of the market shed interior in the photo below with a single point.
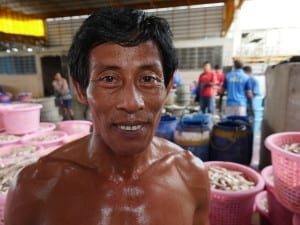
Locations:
(35, 36)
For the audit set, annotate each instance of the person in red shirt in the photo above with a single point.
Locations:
(219, 86)
(207, 82)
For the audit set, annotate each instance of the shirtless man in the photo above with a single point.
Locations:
(122, 63)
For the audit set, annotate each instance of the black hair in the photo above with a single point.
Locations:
(217, 67)
(237, 64)
(206, 62)
(247, 69)
(126, 27)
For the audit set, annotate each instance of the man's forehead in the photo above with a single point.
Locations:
(146, 52)
(116, 46)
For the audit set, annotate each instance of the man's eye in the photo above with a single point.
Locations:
(108, 79)
(148, 79)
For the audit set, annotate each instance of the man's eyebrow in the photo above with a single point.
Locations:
(106, 67)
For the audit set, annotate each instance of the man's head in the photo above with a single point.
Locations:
(218, 69)
(122, 63)
(125, 27)
(247, 70)
(57, 76)
(238, 64)
(206, 66)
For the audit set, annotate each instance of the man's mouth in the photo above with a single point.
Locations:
(130, 127)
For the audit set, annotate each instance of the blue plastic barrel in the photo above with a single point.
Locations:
(192, 134)
(166, 127)
(237, 118)
(231, 141)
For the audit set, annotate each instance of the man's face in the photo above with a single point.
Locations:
(57, 76)
(125, 93)
(207, 67)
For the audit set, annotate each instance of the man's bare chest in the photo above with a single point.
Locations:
(156, 200)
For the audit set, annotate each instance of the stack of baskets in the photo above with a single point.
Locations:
(262, 207)
(286, 169)
(183, 95)
(278, 214)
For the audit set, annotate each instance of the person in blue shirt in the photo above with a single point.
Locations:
(254, 90)
(237, 86)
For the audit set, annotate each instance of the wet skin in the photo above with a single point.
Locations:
(120, 174)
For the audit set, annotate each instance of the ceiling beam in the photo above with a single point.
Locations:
(37, 41)
(229, 10)
(151, 4)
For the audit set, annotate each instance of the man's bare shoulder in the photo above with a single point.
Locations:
(184, 160)
(190, 168)
(54, 164)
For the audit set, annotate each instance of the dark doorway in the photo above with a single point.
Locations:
(50, 65)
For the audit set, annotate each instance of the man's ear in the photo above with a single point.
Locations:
(81, 95)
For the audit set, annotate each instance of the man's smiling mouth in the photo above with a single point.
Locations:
(130, 127)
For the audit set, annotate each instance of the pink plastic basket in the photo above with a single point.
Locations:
(2, 205)
(46, 126)
(267, 174)
(75, 126)
(10, 148)
(2, 107)
(42, 138)
(1, 122)
(232, 207)
(296, 219)
(21, 118)
(262, 206)
(286, 169)
(278, 214)
(5, 141)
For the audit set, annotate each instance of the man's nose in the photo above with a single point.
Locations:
(131, 100)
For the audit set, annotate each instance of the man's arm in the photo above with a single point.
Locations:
(64, 86)
(202, 194)
(248, 88)
(195, 175)
(22, 206)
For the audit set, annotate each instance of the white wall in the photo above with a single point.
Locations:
(275, 21)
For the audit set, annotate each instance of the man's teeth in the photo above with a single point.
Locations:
(130, 128)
